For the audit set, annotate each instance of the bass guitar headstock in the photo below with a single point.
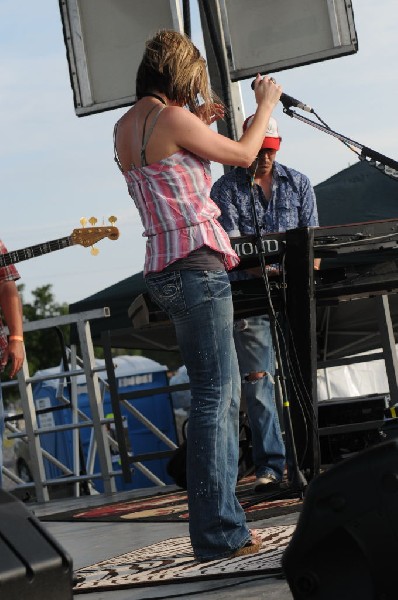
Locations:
(88, 236)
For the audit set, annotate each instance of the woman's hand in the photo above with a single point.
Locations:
(217, 113)
(267, 90)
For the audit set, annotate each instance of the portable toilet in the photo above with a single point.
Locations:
(49, 413)
(133, 374)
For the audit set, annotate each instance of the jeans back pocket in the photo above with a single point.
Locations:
(166, 290)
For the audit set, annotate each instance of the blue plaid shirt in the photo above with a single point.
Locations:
(292, 203)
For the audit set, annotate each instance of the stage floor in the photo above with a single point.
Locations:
(90, 542)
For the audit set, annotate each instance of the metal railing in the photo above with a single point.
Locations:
(102, 441)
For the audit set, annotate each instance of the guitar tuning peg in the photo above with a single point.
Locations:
(112, 220)
(94, 251)
(92, 221)
(83, 221)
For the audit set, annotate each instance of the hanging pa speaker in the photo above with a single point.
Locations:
(346, 540)
(32, 563)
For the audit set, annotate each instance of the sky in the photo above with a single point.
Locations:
(56, 167)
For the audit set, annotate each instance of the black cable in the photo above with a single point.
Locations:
(284, 343)
(294, 365)
(295, 389)
(294, 371)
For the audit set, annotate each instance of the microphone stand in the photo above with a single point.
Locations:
(386, 164)
(297, 479)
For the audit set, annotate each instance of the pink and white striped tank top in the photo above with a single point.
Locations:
(173, 199)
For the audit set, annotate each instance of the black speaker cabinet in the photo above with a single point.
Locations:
(32, 564)
(345, 545)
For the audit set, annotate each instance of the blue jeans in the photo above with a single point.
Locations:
(200, 305)
(255, 351)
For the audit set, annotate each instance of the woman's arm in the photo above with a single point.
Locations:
(189, 132)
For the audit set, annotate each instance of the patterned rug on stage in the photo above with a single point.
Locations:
(173, 507)
(172, 561)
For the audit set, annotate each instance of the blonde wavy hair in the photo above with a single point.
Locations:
(174, 66)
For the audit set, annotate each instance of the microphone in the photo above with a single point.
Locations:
(289, 101)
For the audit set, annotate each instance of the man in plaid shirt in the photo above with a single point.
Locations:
(11, 347)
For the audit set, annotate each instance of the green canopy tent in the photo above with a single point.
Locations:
(357, 194)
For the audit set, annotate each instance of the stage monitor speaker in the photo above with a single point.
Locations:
(264, 36)
(33, 566)
(346, 541)
(105, 41)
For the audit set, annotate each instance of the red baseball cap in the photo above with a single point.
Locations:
(272, 138)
